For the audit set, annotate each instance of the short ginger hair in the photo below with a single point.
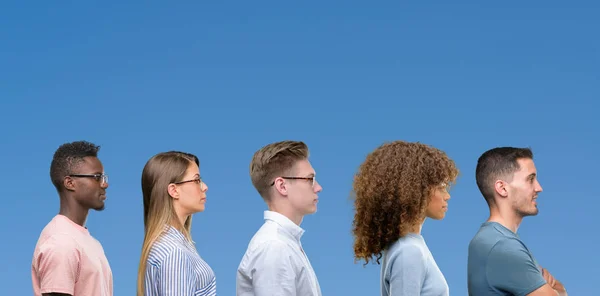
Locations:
(274, 160)
(392, 189)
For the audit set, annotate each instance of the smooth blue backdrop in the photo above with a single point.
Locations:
(222, 79)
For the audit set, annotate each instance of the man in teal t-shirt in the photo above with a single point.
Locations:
(499, 263)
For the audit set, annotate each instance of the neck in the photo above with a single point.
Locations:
(417, 228)
(181, 216)
(286, 211)
(73, 211)
(506, 217)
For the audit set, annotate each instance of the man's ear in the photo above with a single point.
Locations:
(69, 183)
(500, 188)
(173, 191)
(281, 186)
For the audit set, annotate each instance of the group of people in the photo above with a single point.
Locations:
(396, 188)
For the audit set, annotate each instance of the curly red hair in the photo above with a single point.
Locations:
(392, 189)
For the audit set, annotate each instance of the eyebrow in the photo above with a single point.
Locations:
(311, 175)
(532, 175)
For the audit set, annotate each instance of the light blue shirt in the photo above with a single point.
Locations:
(275, 263)
(175, 268)
(408, 269)
(499, 263)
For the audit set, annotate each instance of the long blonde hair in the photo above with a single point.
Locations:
(160, 171)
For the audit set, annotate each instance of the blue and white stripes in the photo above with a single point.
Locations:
(175, 268)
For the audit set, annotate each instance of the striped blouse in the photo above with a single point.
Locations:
(175, 268)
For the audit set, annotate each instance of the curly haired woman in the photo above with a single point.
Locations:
(397, 186)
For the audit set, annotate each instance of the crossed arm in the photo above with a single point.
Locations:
(511, 268)
(552, 285)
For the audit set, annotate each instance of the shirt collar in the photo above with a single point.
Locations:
(285, 223)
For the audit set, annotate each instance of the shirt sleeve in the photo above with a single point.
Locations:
(511, 268)
(407, 271)
(272, 271)
(57, 264)
(178, 277)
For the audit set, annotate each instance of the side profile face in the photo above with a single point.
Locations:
(302, 194)
(190, 194)
(522, 191)
(90, 192)
(438, 202)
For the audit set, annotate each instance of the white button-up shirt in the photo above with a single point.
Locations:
(275, 263)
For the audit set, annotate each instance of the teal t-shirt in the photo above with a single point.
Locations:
(499, 263)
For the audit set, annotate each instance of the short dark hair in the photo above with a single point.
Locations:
(500, 162)
(67, 157)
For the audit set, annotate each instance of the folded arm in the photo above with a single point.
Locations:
(511, 268)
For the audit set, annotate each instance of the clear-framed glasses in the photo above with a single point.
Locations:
(102, 178)
(311, 179)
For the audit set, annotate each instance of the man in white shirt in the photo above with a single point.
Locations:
(275, 263)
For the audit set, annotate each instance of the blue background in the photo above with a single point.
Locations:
(221, 79)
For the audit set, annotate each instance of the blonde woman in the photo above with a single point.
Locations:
(170, 265)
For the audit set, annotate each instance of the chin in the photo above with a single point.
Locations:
(311, 211)
(99, 208)
(439, 216)
(533, 212)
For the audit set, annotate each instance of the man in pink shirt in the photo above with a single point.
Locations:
(67, 260)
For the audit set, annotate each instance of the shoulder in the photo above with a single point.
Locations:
(269, 253)
(408, 250)
(488, 235)
(57, 249)
(268, 246)
(488, 230)
(509, 247)
(58, 243)
(164, 249)
(267, 237)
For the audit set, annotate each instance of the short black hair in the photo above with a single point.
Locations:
(67, 157)
(496, 163)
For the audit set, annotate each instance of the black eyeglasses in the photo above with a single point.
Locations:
(197, 181)
(102, 178)
(312, 179)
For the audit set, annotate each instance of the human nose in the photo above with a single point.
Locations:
(318, 188)
(538, 187)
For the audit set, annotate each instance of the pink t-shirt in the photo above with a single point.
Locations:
(67, 259)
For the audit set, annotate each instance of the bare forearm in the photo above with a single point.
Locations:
(561, 293)
(559, 289)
